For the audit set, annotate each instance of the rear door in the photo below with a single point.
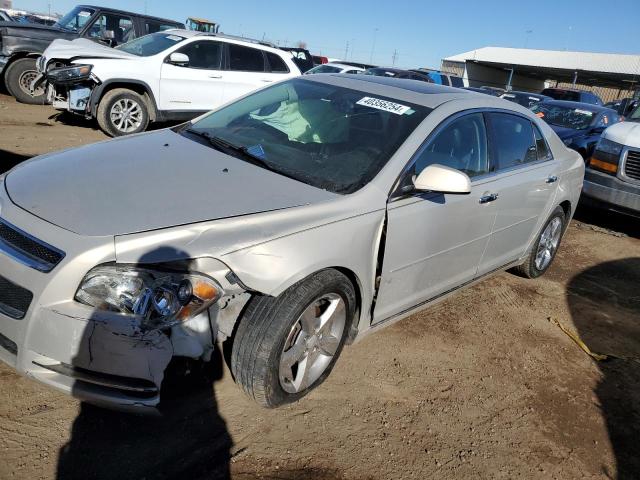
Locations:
(246, 71)
(524, 186)
(197, 86)
(434, 242)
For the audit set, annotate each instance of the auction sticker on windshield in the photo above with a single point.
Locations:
(385, 105)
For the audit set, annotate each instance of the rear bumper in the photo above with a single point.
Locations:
(610, 192)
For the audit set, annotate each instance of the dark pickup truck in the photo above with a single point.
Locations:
(21, 44)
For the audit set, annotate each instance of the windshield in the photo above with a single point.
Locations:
(330, 137)
(522, 99)
(150, 44)
(560, 116)
(75, 19)
(635, 115)
(325, 69)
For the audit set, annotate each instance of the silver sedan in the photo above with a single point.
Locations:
(288, 224)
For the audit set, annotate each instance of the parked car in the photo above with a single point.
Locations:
(319, 60)
(22, 16)
(623, 106)
(334, 68)
(495, 91)
(526, 99)
(21, 44)
(398, 73)
(579, 125)
(572, 95)
(289, 222)
(612, 177)
(170, 75)
(441, 78)
(301, 57)
(483, 91)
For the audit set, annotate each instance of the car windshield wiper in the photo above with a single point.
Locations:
(224, 146)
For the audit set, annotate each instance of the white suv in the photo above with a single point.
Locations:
(169, 75)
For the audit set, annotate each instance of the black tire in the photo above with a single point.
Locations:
(17, 79)
(118, 96)
(529, 269)
(263, 330)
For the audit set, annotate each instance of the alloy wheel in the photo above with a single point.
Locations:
(126, 115)
(312, 343)
(548, 244)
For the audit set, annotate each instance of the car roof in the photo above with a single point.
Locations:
(581, 105)
(414, 91)
(127, 12)
(520, 92)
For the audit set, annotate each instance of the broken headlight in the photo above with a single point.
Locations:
(160, 299)
(69, 74)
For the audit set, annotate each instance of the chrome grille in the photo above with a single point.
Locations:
(632, 165)
(14, 300)
(26, 249)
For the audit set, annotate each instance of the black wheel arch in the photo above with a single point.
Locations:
(137, 86)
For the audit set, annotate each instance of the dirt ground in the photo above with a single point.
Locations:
(483, 385)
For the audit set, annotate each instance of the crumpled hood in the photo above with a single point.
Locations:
(81, 48)
(625, 133)
(149, 182)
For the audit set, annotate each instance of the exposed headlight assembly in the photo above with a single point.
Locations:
(71, 74)
(160, 299)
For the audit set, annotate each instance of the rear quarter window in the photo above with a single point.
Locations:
(276, 64)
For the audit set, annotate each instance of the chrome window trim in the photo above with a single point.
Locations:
(623, 162)
(25, 258)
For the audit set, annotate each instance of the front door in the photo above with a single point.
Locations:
(197, 86)
(435, 242)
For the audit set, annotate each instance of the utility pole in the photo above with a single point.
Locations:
(373, 45)
(394, 58)
(346, 50)
(526, 38)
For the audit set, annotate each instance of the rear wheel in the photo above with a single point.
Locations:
(544, 250)
(18, 78)
(286, 346)
(122, 112)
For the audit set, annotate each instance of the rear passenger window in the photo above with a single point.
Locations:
(461, 145)
(544, 153)
(245, 59)
(276, 63)
(513, 141)
(205, 54)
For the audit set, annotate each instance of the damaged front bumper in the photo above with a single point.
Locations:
(97, 356)
(73, 95)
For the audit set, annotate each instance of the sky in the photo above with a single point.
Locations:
(410, 33)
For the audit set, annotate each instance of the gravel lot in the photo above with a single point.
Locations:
(484, 385)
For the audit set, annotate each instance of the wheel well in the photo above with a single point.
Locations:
(17, 56)
(353, 278)
(134, 87)
(566, 206)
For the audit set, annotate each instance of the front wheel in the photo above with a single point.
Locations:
(544, 250)
(18, 78)
(122, 112)
(286, 346)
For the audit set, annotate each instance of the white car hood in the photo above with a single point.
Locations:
(81, 48)
(625, 133)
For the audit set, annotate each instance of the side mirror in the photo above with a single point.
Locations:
(108, 35)
(179, 59)
(438, 178)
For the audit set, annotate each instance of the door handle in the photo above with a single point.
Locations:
(489, 198)
(551, 179)
(215, 76)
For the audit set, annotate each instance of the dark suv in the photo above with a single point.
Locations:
(572, 95)
(21, 44)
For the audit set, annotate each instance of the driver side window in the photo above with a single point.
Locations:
(461, 145)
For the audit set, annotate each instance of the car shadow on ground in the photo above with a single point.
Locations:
(8, 160)
(608, 220)
(188, 440)
(72, 120)
(604, 301)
